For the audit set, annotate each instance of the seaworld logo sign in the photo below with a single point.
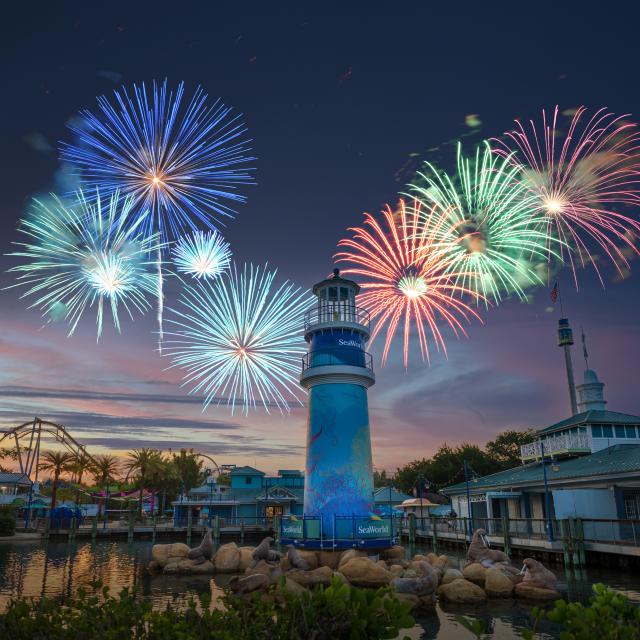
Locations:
(373, 528)
(293, 529)
(349, 343)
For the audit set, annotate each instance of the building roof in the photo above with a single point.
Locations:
(383, 495)
(246, 471)
(14, 478)
(592, 417)
(290, 472)
(613, 461)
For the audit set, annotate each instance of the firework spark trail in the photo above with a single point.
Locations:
(408, 280)
(87, 255)
(181, 160)
(577, 179)
(239, 338)
(482, 224)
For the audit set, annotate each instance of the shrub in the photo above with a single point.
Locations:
(7, 521)
(328, 613)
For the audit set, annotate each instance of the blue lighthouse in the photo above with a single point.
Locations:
(337, 371)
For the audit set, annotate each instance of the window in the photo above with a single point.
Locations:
(333, 293)
(247, 479)
(596, 430)
(607, 431)
(620, 431)
(582, 429)
(631, 431)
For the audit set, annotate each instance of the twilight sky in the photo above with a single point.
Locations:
(339, 100)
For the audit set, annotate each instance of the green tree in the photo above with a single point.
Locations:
(81, 462)
(380, 479)
(105, 469)
(142, 463)
(505, 449)
(56, 462)
(188, 468)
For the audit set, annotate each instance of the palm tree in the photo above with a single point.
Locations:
(141, 463)
(81, 462)
(105, 469)
(58, 462)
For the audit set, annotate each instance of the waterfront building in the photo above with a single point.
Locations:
(13, 486)
(586, 466)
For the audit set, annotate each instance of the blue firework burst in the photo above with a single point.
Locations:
(202, 255)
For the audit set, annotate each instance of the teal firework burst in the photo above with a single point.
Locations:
(88, 255)
(202, 255)
(239, 338)
(483, 223)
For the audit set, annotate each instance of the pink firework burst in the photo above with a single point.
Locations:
(578, 178)
(408, 280)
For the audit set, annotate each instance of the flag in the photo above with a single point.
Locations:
(554, 292)
(584, 345)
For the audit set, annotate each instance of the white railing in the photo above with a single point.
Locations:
(557, 444)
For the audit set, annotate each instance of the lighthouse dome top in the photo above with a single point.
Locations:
(336, 281)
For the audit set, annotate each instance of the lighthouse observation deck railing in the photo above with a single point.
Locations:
(336, 312)
(555, 445)
(345, 356)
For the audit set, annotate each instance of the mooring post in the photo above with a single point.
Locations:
(412, 528)
(580, 542)
(506, 534)
(434, 534)
(189, 525)
(566, 552)
(241, 531)
(94, 529)
(573, 526)
(216, 529)
(47, 527)
(131, 523)
(74, 526)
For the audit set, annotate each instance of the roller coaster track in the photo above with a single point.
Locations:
(26, 439)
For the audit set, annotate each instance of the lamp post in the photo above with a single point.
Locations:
(547, 497)
(420, 484)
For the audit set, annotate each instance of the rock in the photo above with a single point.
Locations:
(341, 577)
(529, 591)
(430, 558)
(309, 557)
(423, 585)
(349, 554)
(418, 557)
(441, 562)
(161, 553)
(409, 573)
(409, 597)
(321, 575)
(394, 553)
(291, 586)
(396, 569)
(382, 563)
(262, 568)
(362, 572)
(227, 558)
(461, 591)
(328, 559)
(154, 567)
(245, 558)
(427, 602)
(450, 575)
(497, 584)
(475, 573)
(242, 586)
(187, 567)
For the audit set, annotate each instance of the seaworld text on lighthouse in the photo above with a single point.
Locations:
(337, 372)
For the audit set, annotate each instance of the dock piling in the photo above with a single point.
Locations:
(189, 525)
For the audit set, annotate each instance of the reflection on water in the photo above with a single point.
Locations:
(34, 570)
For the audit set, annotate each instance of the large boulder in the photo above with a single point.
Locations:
(320, 576)
(497, 584)
(396, 569)
(394, 553)
(328, 559)
(161, 553)
(227, 558)
(349, 554)
(475, 573)
(528, 591)
(450, 575)
(290, 586)
(261, 568)
(430, 558)
(246, 558)
(242, 586)
(310, 558)
(461, 591)
(363, 572)
(188, 567)
(441, 562)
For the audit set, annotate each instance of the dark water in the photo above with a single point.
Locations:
(33, 570)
